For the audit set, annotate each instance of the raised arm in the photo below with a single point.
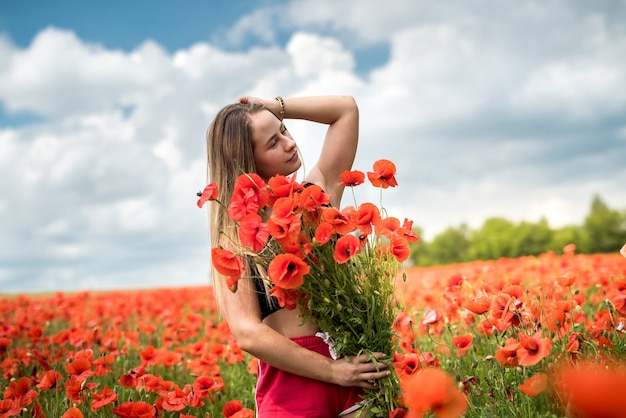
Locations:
(341, 114)
(241, 310)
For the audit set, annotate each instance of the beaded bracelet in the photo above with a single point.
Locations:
(282, 107)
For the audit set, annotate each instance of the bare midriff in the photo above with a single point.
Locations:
(289, 323)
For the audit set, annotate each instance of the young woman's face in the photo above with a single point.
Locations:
(275, 151)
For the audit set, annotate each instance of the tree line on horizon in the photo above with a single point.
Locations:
(603, 231)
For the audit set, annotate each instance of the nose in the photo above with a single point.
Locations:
(290, 144)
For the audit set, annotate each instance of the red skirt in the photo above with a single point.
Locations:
(282, 394)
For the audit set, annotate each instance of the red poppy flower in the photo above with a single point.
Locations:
(339, 219)
(347, 246)
(287, 271)
(534, 385)
(406, 364)
(591, 390)
(383, 174)
(80, 367)
(20, 391)
(352, 178)
(283, 186)
(287, 298)
(235, 409)
(102, 398)
(399, 247)
(387, 226)
(462, 343)
(431, 317)
(532, 349)
(324, 232)
(9, 408)
(313, 197)
(366, 215)
(209, 193)
(407, 231)
(253, 232)
(619, 302)
(229, 265)
(50, 380)
(433, 390)
(73, 412)
(135, 410)
(175, 400)
(507, 355)
(249, 195)
(478, 305)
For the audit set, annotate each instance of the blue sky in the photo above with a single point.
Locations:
(488, 108)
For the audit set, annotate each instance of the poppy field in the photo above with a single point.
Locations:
(533, 337)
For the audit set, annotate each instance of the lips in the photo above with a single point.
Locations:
(293, 157)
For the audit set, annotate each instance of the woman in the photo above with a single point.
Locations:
(297, 375)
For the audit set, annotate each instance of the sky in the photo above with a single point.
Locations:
(487, 107)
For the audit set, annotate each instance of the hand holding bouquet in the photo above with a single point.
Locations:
(337, 266)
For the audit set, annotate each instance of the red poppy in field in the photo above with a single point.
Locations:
(405, 364)
(534, 385)
(573, 342)
(431, 317)
(228, 264)
(175, 399)
(507, 355)
(74, 388)
(591, 389)
(619, 302)
(20, 391)
(478, 305)
(383, 174)
(135, 410)
(253, 233)
(204, 385)
(50, 380)
(9, 408)
(129, 379)
(235, 409)
(504, 307)
(209, 193)
(462, 343)
(103, 364)
(249, 195)
(407, 231)
(433, 390)
(347, 246)
(566, 279)
(532, 349)
(102, 398)
(365, 217)
(80, 367)
(287, 271)
(73, 412)
(352, 178)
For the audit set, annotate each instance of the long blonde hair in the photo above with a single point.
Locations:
(229, 154)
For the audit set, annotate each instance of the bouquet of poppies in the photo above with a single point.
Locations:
(337, 266)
